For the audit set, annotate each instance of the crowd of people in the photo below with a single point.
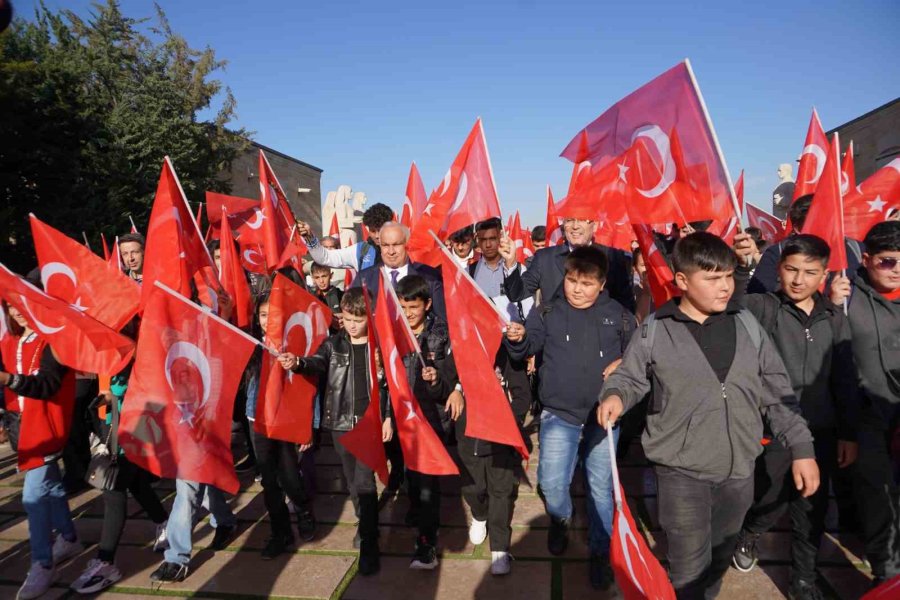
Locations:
(766, 383)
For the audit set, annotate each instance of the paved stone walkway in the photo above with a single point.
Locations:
(326, 567)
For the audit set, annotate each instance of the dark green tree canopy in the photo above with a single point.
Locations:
(88, 110)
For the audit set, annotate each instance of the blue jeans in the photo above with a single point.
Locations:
(560, 443)
(44, 498)
(189, 496)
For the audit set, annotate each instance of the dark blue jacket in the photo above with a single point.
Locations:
(372, 280)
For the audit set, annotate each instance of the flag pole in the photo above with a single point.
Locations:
(133, 226)
(84, 235)
(467, 276)
(211, 315)
(617, 488)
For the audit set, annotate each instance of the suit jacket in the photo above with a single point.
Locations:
(371, 278)
(547, 271)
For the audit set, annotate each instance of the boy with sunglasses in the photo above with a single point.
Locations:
(874, 312)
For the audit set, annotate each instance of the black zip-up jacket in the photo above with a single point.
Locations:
(435, 344)
(334, 361)
(817, 354)
(577, 345)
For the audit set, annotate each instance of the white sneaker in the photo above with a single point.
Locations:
(98, 575)
(161, 541)
(63, 549)
(39, 580)
(477, 532)
(500, 563)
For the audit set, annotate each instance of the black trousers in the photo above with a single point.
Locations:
(134, 479)
(76, 454)
(279, 467)
(363, 493)
(702, 520)
(425, 502)
(490, 485)
(878, 499)
(775, 492)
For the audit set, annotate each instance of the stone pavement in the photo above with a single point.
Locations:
(326, 567)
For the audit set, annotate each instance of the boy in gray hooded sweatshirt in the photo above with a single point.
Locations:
(713, 375)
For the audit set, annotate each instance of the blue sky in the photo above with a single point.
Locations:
(361, 89)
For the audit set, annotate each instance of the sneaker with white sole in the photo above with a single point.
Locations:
(477, 532)
(500, 563)
(98, 575)
(63, 549)
(161, 541)
(39, 580)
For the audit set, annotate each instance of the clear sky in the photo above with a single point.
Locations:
(361, 89)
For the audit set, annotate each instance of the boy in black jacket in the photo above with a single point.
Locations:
(328, 294)
(813, 337)
(582, 333)
(436, 389)
(343, 360)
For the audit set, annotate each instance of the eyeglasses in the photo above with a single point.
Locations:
(886, 263)
(573, 220)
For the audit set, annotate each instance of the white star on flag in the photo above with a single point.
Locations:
(187, 413)
(622, 170)
(876, 205)
(412, 413)
(428, 208)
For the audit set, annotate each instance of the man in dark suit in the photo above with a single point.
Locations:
(545, 273)
(396, 265)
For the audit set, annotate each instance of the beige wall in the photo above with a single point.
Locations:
(876, 138)
(292, 174)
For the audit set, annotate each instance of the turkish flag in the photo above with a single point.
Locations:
(826, 216)
(772, 229)
(812, 159)
(293, 251)
(554, 223)
(466, 195)
(175, 250)
(848, 171)
(253, 259)
(889, 590)
(244, 214)
(115, 258)
(349, 274)
(177, 421)
(869, 202)
(615, 234)
(726, 228)
(233, 279)
(659, 275)
(335, 230)
(638, 573)
(416, 199)
(298, 323)
(105, 246)
(364, 440)
(79, 277)
(739, 190)
(522, 241)
(475, 335)
(79, 341)
(676, 146)
(276, 214)
(423, 451)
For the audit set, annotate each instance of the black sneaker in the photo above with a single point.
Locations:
(805, 590)
(558, 536)
(425, 558)
(412, 518)
(169, 572)
(745, 555)
(306, 524)
(601, 572)
(276, 545)
(222, 537)
(369, 558)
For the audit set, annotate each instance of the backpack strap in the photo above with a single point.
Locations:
(471, 269)
(648, 332)
(752, 326)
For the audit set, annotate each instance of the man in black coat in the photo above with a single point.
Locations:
(396, 265)
(545, 273)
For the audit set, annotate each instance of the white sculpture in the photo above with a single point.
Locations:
(343, 202)
(783, 195)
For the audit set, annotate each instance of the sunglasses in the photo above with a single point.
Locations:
(886, 263)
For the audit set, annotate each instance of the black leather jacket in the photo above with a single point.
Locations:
(334, 361)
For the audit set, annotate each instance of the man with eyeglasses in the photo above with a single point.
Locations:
(548, 265)
(874, 312)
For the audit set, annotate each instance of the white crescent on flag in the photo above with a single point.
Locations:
(819, 154)
(58, 268)
(194, 355)
(661, 140)
(42, 327)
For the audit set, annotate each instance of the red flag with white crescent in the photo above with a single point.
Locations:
(812, 158)
(79, 341)
(772, 229)
(638, 573)
(869, 202)
(522, 242)
(233, 279)
(276, 214)
(826, 215)
(364, 441)
(416, 199)
(72, 273)
(423, 451)
(554, 224)
(297, 323)
(244, 214)
(177, 420)
(659, 275)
